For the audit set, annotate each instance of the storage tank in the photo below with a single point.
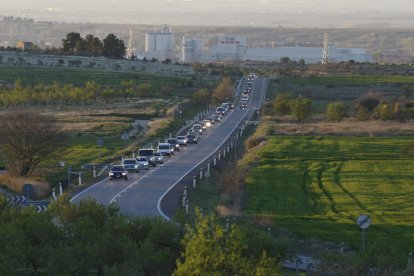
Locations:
(187, 50)
(150, 42)
(162, 42)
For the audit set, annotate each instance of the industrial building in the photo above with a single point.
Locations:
(24, 45)
(234, 48)
(160, 44)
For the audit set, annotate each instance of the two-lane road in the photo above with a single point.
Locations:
(143, 192)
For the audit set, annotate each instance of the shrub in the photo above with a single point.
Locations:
(254, 141)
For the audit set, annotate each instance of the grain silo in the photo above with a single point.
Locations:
(160, 44)
(150, 42)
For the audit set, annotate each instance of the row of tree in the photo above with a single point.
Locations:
(368, 107)
(58, 94)
(223, 92)
(90, 239)
(300, 108)
(111, 46)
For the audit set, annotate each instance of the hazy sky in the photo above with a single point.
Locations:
(217, 12)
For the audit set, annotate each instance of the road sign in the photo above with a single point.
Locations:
(364, 221)
(100, 141)
(28, 190)
(125, 136)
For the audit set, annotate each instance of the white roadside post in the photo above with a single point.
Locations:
(60, 188)
(54, 193)
(194, 181)
(187, 205)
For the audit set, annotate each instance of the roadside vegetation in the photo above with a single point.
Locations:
(349, 154)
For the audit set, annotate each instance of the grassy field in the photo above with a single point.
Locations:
(351, 80)
(33, 75)
(318, 186)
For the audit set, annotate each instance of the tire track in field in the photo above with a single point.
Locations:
(320, 171)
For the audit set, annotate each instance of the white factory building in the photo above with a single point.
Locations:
(160, 44)
(234, 48)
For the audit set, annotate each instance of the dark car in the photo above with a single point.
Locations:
(148, 153)
(192, 138)
(174, 142)
(216, 118)
(118, 171)
(211, 120)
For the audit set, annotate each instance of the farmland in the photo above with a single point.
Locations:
(318, 186)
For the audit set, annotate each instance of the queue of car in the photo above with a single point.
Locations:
(151, 157)
(247, 89)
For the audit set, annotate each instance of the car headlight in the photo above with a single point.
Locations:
(111, 173)
(123, 173)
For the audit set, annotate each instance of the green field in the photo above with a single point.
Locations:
(318, 186)
(351, 80)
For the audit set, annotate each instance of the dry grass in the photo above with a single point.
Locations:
(42, 189)
(348, 127)
(227, 211)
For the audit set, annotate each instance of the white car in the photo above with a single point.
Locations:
(198, 128)
(131, 164)
(143, 162)
(166, 149)
(182, 140)
(159, 157)
(207, 123)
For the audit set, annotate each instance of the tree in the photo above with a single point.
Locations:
(202, 97)
(384, 111)
(285, 60)
(113, 47)
(336, 111)
(93, 46)
(211, 250)
(71, 41)
(127, 88)
(26, 139)
(224, 90)
(282, 103)
(301, 108)
(144, 90)
(361, 112)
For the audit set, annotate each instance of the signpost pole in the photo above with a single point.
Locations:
(363, 240)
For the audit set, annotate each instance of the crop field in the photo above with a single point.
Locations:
(318, 186)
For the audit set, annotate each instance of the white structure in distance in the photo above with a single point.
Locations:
(234, 48)
(160, 44)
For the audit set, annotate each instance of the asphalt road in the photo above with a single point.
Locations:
(143, 192)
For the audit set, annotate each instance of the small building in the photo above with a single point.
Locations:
(24, 45)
